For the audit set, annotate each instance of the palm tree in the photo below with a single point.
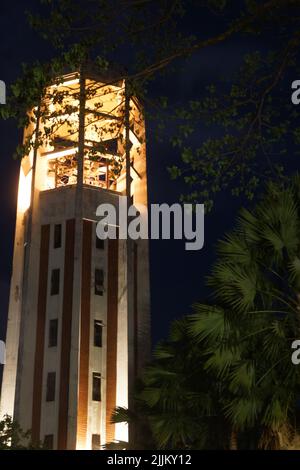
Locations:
(248, 334)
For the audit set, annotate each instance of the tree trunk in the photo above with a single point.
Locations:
(233, 444)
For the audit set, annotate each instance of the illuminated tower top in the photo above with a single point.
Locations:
(103, 128)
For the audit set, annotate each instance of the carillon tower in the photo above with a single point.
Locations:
(79, 323)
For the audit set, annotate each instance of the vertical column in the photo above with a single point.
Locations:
(66, 335)
(112, 331)
(82, 416)
(9, 380)
(40, 333)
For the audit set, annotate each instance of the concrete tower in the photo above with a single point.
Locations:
(78, 323)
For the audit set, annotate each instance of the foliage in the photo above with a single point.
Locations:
(12, 437)
(252, 117)
(256, 123)
(256, 281)
(140, 433)
(182, 407)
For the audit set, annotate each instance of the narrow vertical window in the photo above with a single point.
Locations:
(98, 333)
(99, 281)
(57, 236)
(50, 393)
(55, 281)
(96, 442)
(96, 386)
(99, 243)
(53, 330)
(48, 442)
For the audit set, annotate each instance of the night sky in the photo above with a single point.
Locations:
(177, 276)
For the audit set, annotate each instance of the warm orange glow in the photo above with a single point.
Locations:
(24, 191)
(81, 444)
(105, 135)
(121, 429)
(62, 153)
(66, 83)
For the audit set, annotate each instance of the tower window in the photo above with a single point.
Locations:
(57, 236)
(96, 442)
(50, 395)
(53, 330)
(55, 282)
(99, 243)
(48, 441)
(99, 281)
(98, 333)
(96, 386)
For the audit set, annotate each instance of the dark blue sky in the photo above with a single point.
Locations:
(177, 276)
